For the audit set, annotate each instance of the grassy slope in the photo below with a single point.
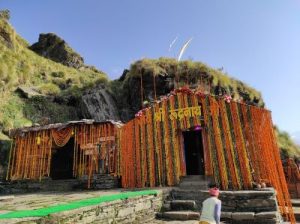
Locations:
(286, 144)
(190, 72)
(20, 66)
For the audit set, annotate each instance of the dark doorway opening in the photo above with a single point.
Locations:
(194, 156)
(62, 161)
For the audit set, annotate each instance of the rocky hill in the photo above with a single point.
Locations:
(34, 89)
(48, 82)
(157, 77)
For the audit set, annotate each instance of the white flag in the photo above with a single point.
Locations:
(184, 48)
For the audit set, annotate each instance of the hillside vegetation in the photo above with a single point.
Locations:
(195, 73)
(286, 144)
(21, 67)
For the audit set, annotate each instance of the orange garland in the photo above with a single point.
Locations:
(158, 146)
(220, 153)
(211, 167)
(169, 164)
(250, 143)
(241, 148)
(229, 147)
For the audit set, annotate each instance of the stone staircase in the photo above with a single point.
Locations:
(184, 201)
(239, 207)
(296, 208)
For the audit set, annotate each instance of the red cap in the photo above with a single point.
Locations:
(214, 191)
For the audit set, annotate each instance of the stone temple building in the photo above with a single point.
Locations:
(186, 133)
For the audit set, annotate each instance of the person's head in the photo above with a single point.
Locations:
(214, 192)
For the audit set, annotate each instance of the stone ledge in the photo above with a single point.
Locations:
(243, 215)
(226, 215)
(266, 215)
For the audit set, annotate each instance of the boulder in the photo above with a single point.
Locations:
(27, 92)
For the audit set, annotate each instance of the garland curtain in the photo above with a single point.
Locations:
(237, 150)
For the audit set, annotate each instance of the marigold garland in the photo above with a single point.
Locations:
(209, 139)
(158, 144)
(218, 141)
(138, 153)
(175, 149)
(242, 154)
(250, 142)
(169, 165)
(150, 150)
(229, 146)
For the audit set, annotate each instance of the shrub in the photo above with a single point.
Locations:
(5, 14)
(49, 89)
(59, 74)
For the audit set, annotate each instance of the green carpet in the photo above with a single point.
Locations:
(75, 204)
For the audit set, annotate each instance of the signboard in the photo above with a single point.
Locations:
(178, 113)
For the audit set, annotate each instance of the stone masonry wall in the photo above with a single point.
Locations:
(132, 210)
(28, 186)
(250, 206)
(256, 206)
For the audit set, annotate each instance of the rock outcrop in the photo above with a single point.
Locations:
(149, 79)
(53, 47)
(99, 105)
(129, 99)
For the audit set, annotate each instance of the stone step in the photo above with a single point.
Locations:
(180, 205)
(6, 198)
(194, 177)
(194, 185)
(189, 194)
(297, 213)
(295, 202)
(194, 182)
(179, 215)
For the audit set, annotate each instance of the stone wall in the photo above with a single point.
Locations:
(133, 210)
(256, 206)
(28, 186)
(250, 206)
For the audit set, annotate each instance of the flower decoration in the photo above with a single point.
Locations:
(184, 89)
(139, 114)
(227, 98)
(200, 94)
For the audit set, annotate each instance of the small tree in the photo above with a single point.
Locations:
(5, 14)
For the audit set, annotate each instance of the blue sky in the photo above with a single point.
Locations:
(255, 41)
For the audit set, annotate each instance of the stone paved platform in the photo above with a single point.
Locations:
(45, 199)
(172, 222)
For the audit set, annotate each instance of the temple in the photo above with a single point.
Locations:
(185, 133)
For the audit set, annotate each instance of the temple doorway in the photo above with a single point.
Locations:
(62, 161)
(194, 156)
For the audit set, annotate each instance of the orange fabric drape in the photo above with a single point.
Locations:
(61, 137)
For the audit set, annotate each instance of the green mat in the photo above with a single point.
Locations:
(75, 204)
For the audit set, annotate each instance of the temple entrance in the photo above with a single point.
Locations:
(194, 156)
(62, 161)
